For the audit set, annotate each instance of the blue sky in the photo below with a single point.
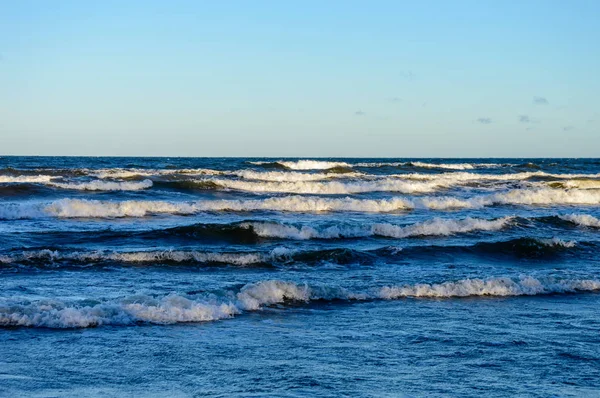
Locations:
(306, 78)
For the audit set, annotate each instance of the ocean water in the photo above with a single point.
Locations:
(299, 277)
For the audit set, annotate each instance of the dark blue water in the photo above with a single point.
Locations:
(297, 277)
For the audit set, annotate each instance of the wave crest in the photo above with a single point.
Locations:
(175, 308)
(99, 185)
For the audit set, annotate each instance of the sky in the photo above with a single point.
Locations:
(304, 78)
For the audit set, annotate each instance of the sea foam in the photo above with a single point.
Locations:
(100, 185)
(177, 308)
(434, 227)
(582, 219)
(132, 208)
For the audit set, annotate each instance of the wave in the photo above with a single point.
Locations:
(461, 178)
(73, 208)
(289, 176)
(99, 185)
(582, 219)
(48, 257)
(303, 164)
(449, 166)
(23, 189)
(96, 185)
(26, 179)
(128, 173)
(133, 173)
(425, 165)
(578, 183)
(544, 197)
(331, 187)
(525, 247)
(325, 165)
(177, 308)
(495, 287)
(409, 184)
(53, 259)
(434, 227)
(132, 208)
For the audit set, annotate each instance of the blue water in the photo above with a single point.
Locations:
(298, 277)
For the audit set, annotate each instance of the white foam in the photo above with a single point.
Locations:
(60, 314)
(133, 172)
(434, 227)
(448, 166)
(582, 219)
(546, 197)
(175, 308)
(331, 187)
(94, 208)
(307, 164)
(465, 177)
(155, 256)
(451, 166)
(131, 208)
(26, 179)
(524, 286)
(557, 242)
(289, 176)
(578, 182)
(99, 185)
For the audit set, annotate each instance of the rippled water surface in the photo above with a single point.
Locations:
(299, 277)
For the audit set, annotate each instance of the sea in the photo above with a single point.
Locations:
(281, 277)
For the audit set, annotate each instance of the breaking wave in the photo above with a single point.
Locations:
(26, 179)
(331, 187)
(48, 257)
(324, 165)
(99, 185)
(289, 176)
(582, 219)
(435, 227)
(579, 183)
(132, 208)
(415, 164)
(179, 308)
(530, 248)
(304, 164)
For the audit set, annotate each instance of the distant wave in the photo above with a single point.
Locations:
(434, 227)
(96, 185)
(47, 257)
(131, 173)
(424, 165)
(525, 247)
(331, 187)
(26, 179)
(178, 308)
(409, 184)
(288, 176)
(469, 176)
(327, 182)
(55, 259)
(133, 208)
(304, 164)
(308, 164)
(99, 185)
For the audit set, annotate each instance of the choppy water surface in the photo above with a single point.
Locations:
(299, 277)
